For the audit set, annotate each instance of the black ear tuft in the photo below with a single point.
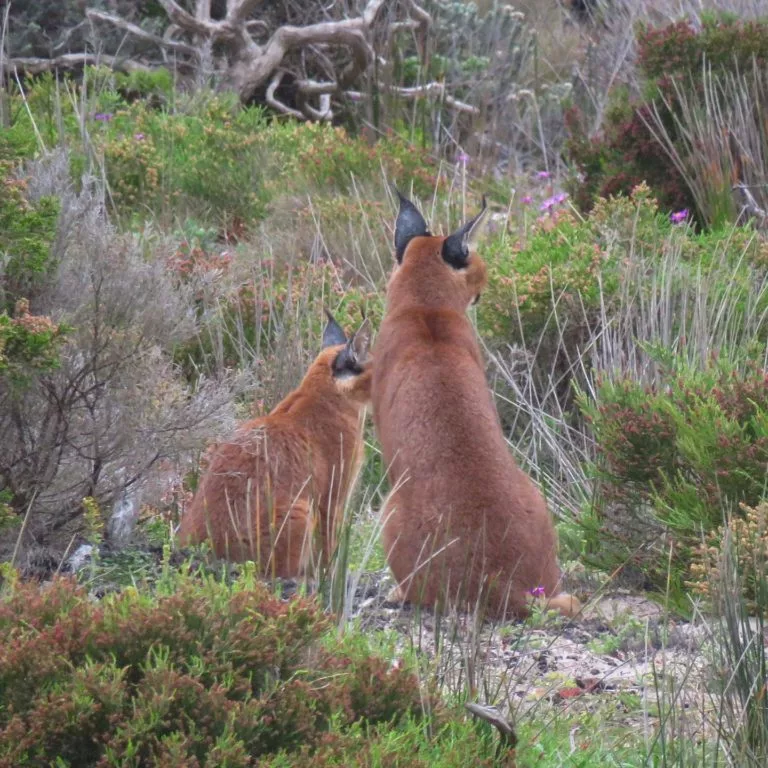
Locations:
(333, 335)
(456, 246)
(349, 362)
(410, 223)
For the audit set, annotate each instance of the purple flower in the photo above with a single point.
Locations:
(527, 200)
(462, 158)
(548, 204)
(537, 591)
(551, 202)
(678, 217)
(542, 175)
(103, 117)
(138, 136)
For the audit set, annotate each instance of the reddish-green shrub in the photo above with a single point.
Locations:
(674, 458)
(199, 674)
(669, 58)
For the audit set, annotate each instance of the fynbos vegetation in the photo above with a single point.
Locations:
(188, 188)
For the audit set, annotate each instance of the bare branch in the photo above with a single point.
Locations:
(420, 92)
(315, 88)
(249, 75)
(423, 18)
(34, 65)
(371, 11)
(140, 33)
(188, 22)
(203, 10)
(239, 10)
(324, 113)
(275, 103)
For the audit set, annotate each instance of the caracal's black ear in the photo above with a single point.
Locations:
(410, 223)
(457, 247)
(351, 359)
(333, 335)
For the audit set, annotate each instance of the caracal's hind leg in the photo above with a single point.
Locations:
(290, 542)
(391, 534)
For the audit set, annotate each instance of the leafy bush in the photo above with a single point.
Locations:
(205, 157)
(569, 281)
(673, 459)
(745, 536)
(27, 232)
(649, 139)
(29, 344)
(200, 673)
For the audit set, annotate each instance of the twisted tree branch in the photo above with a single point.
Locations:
(247, 66)
(141, 34)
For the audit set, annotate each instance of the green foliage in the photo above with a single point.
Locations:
(204, 157)
(200, 672)
(27, 232)
(683, 453)
(156, 85)
(566, 275)
(566, 262)
(8, 517)
(29, 346)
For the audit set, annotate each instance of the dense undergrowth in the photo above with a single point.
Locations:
(166, 258)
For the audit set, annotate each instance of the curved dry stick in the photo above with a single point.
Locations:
(275, 103)
(34, 65)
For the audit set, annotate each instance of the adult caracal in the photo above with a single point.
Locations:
(463, 522)
(280, 482)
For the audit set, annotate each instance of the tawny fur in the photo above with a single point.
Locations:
(273, 493)
(463, 522)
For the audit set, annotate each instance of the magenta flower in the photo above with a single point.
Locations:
(542, 175)
(138, 136)
(678, 217)
(103, 117)
(462, 158)
(527, 200)
(537, 591)
(551, 202)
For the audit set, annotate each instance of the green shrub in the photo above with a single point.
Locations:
(29, 344)
(568, 264)
(202, 157)
(27, 232)
(200, 673)
(744, 538)
(673, 458)
(559, 288)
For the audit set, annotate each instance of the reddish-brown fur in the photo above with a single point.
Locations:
(276, 488)
(463, 521)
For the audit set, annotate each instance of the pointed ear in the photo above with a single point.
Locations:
(457, 247)
(361, 341)
(350, 361)
(333, 335)
(410, 223)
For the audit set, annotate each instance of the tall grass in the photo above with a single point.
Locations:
(719, 142)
